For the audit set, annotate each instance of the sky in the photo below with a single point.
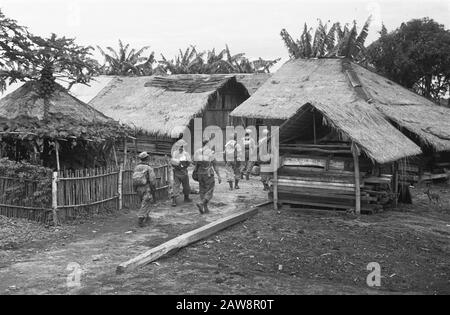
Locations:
(249, 26)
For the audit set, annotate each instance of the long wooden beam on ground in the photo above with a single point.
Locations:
(185, 239)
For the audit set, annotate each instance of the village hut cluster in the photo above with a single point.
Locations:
(349, 138)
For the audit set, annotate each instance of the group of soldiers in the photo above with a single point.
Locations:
(237, 166)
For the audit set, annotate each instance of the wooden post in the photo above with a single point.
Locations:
(314, 126)
(57, 155)
(395, 184)
(275, 158)
(125, 149)
(355, 152)
(55, 198)
(115, 155)
(120, 187)
(136, 147)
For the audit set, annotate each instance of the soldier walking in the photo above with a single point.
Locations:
(264, 158)
(144, 183)
(249, 149)
(205, 168)
(180, 163)
(233, 162)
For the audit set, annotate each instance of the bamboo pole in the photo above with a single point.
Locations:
(125, 149)
(120, 187)
(57, 155)
(115, 155)
(356, 153)
(55, 198)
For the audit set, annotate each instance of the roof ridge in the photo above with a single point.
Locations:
(354, 80)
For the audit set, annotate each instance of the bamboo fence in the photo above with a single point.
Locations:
(80, 193)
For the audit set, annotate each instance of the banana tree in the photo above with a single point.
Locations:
(126, 61)
(334, 42)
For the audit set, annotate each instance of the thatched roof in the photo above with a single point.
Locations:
(159, 105)
(349, 95)
(85, 93)
(25, 101)
(252, 81)
(361, 122)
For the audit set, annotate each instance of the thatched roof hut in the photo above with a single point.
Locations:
(25, 101)
(85, 93)
(83, 135)
(355, 101)
(159, 105)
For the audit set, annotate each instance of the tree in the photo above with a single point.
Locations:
(333, 42)
(26, 57)
(415, 55)
(210, 62)
(127, 62)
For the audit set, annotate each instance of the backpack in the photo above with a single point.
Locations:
(140, 177)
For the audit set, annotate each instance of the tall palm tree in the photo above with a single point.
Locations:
(127, 62)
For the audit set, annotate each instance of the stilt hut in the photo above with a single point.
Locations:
(348, 137)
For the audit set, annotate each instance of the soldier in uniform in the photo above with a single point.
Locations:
(206, 167)
(249, 149)
(264, 157)
(144, 183)
(233, 162)
(180, 163)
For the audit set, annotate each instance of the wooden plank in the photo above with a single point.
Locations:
(291, 161)
(319, 178)
(185, 240)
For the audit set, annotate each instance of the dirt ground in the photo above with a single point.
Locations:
(287, 252)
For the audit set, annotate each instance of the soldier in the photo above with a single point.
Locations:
(144, 183)
(249, 149)
(205, 168)
(180, 162)
(264, 157)
(233, 162)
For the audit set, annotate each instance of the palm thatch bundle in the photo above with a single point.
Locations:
(355, 101)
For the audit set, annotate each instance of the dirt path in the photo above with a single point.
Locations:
(100, 245)
(289, 252)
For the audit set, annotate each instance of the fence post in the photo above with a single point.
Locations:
(120, 186)
(55, 198)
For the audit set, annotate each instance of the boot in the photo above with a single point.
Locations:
(141, 222)
(205, 206)
(242, 175)
(247, 176)
(200, 208)
(187, 199)
(231, 185)
(174, 201)
(236, 184)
